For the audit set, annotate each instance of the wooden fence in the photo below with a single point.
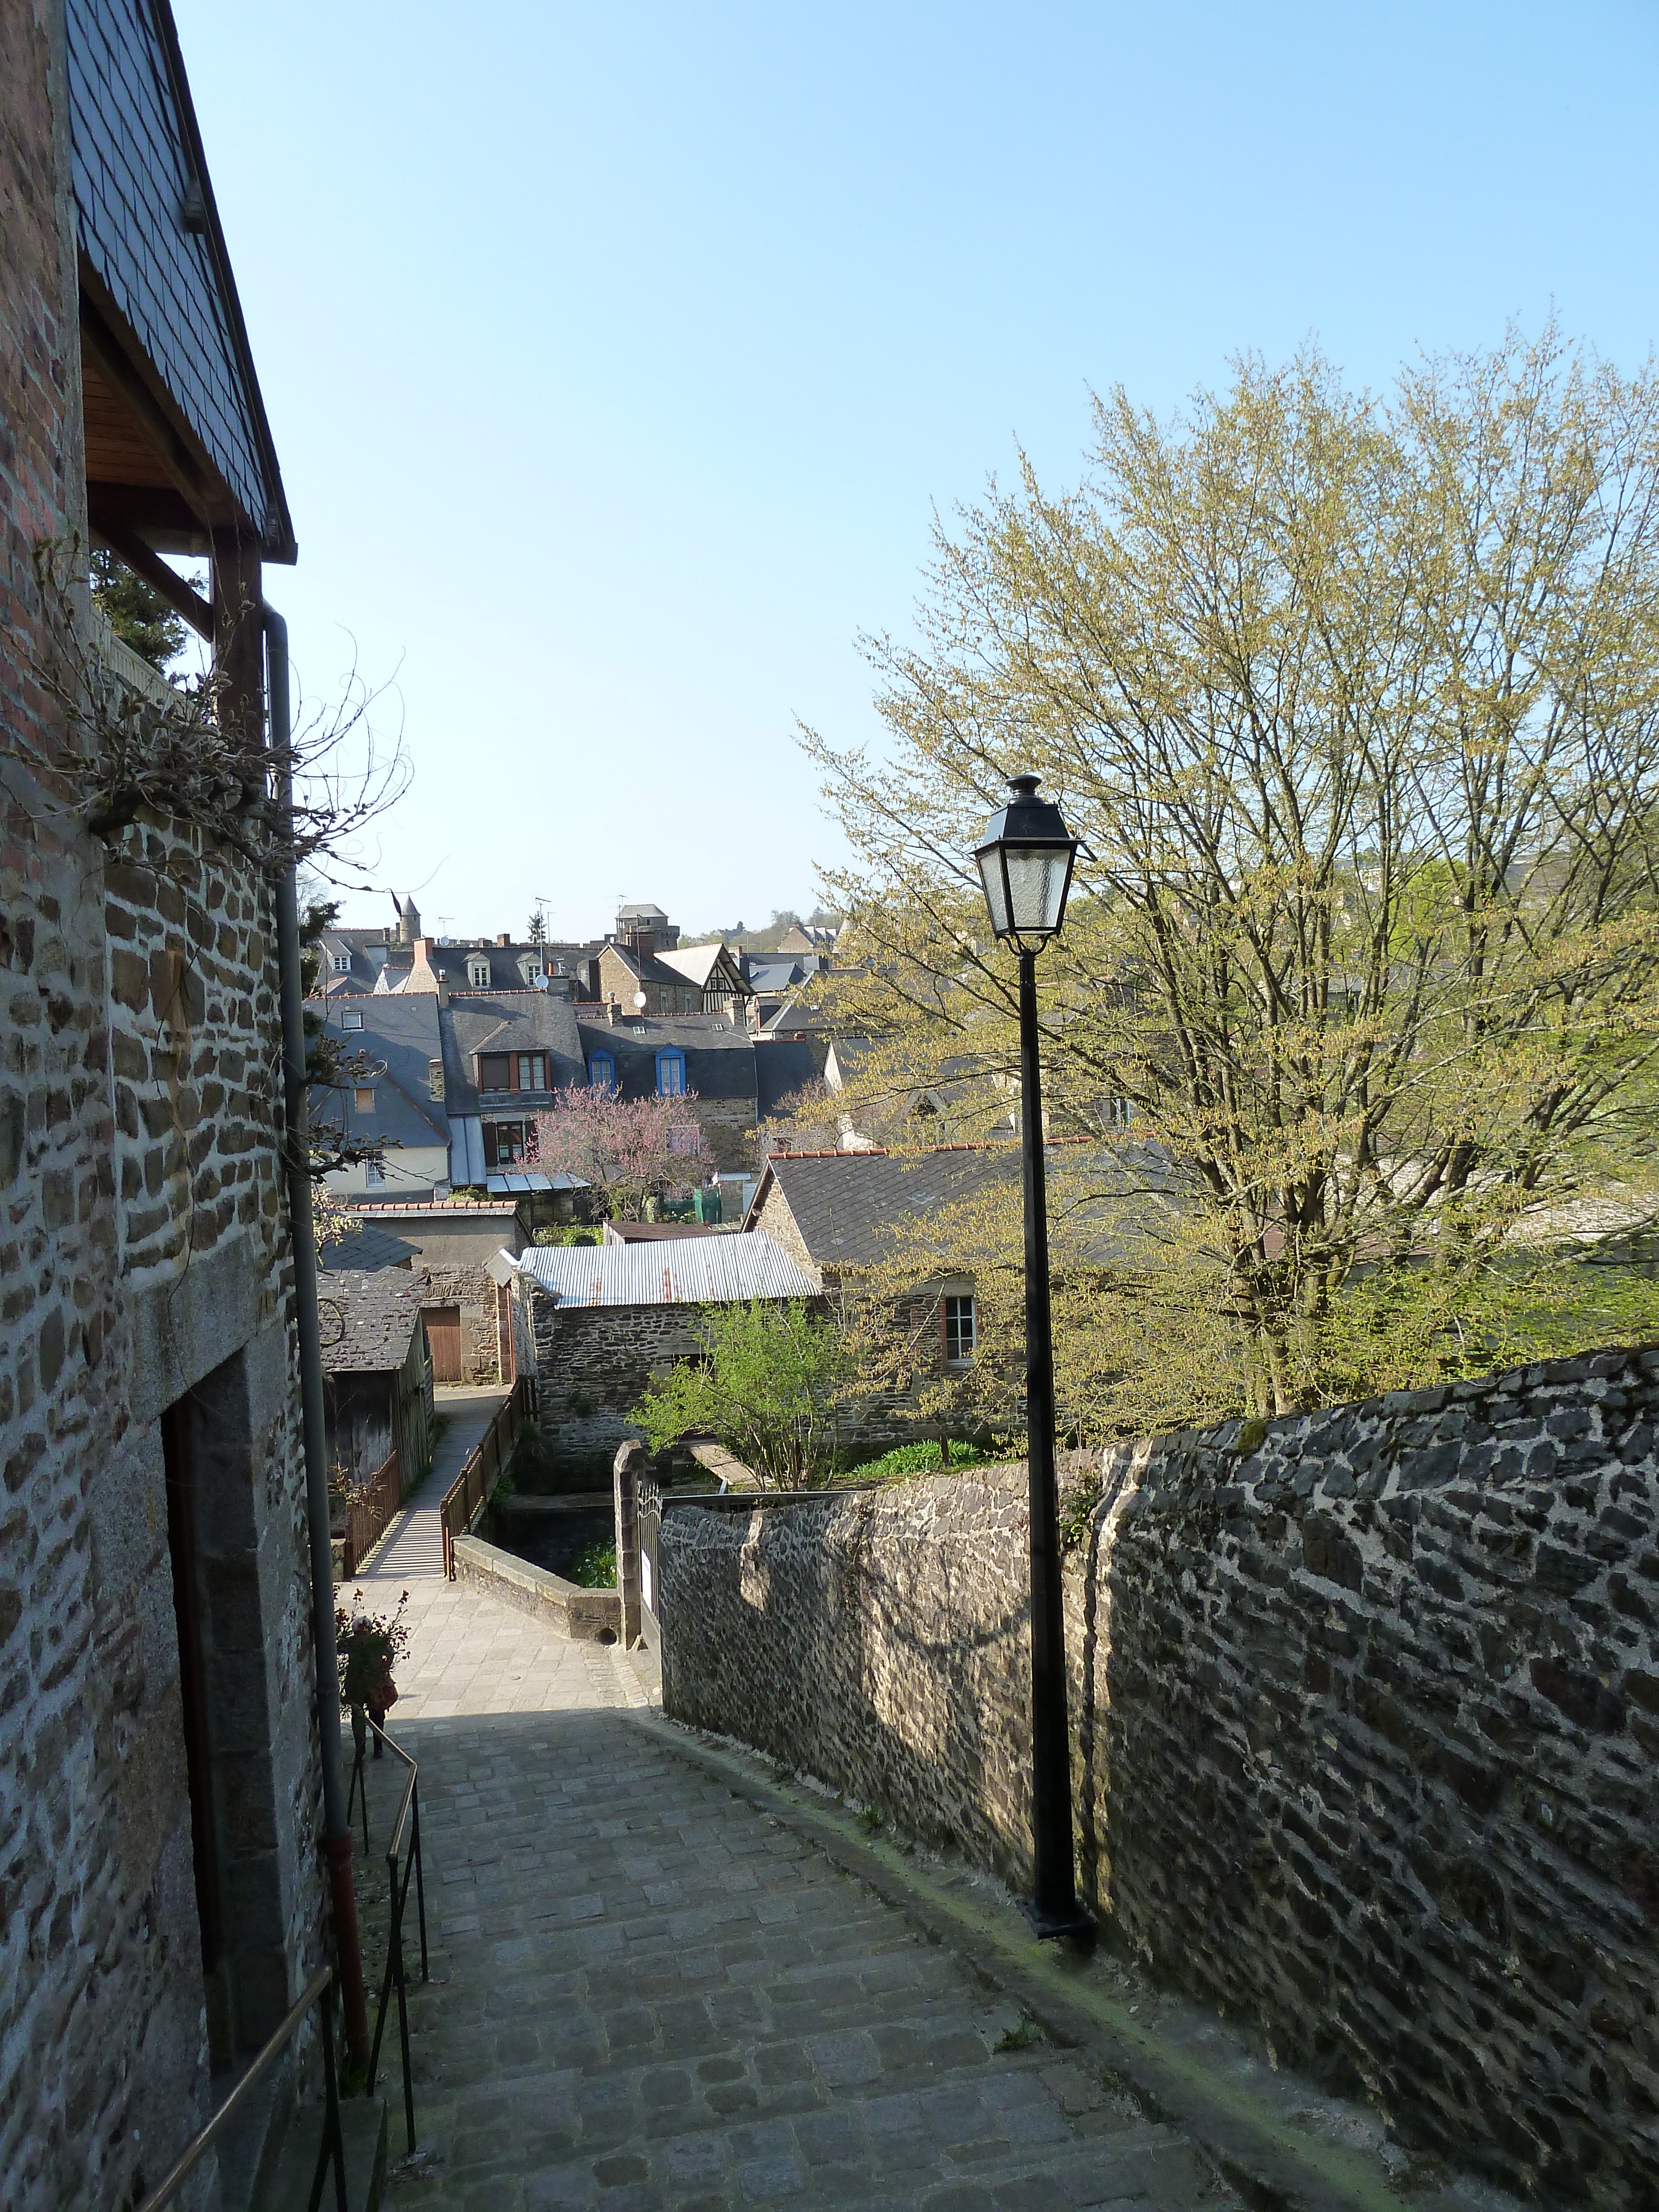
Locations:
(368, 1511)
(469, 1494)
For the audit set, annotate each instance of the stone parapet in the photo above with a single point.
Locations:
(589, 1616)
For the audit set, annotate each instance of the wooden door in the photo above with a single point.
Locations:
(443, 1336)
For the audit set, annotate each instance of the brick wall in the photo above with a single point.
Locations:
(1367, 1718)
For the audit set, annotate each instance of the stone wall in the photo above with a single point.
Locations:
(587, 1616)
(1367, 1708)
(144, 1282)
(593, 1363)
(471, 1289)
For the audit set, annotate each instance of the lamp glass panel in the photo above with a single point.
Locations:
(1036, 884)
(996, 889)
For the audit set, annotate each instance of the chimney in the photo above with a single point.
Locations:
(505, 938)
(644, 942)
(443, 988)
(612, 1008)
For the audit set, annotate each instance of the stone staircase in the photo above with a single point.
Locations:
(664, 1998)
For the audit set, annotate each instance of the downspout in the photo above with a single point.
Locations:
(337, 1828)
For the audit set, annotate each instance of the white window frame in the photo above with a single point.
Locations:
(953, 1326)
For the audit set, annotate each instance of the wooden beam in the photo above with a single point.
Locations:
(180, 466)
(165, 582)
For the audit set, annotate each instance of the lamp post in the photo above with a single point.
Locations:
(1025, 860)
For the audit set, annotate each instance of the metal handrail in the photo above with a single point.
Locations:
(408, 1814)
(321, 1984)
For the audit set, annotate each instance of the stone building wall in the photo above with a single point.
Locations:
(471, 1289)
(1367, 1730)
(593, 1363)
(143, 1273)
(728, 1133)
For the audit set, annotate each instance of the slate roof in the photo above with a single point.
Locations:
(401, 1035)
(701, 1271)
(134, 150)
(477, 1022)
(848, 1206)
(368, 1320)
(719, 1060)
(365, 1249)
(782, 1068)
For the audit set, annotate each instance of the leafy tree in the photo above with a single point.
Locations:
(1355, 700)
(627, 1149)
(538, 925)
(139, 616)
(766, 1385)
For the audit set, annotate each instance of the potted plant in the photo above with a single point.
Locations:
(368, 1645)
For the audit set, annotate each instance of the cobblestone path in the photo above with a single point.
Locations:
(649, 1993)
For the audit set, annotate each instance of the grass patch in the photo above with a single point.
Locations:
(920, 1459)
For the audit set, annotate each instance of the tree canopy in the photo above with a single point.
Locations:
(1354, 700)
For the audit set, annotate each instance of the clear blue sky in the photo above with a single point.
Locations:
(618, 356)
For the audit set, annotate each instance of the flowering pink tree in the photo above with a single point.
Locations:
(629, 1149)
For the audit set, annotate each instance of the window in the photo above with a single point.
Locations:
(364, 1097)
(504, 1144)
(342, 963)
(1119, 1113)
(511, 1071)
(601, 1070)
(670, 1072)
(351, 1021)
(959, 1330)
(477, 974)
(684, 1142)
(373, 1170)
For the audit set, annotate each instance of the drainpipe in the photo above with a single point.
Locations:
(337, 1828)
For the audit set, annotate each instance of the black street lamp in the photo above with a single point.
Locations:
(1025, 860)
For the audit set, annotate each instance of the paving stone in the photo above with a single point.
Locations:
(648, 1994)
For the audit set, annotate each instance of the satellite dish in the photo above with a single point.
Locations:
(542, 982)
(639, 1000)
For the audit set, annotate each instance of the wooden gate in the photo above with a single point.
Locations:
(443, 1336)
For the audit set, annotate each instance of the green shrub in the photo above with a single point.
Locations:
(922, 1459)
(596, 1567)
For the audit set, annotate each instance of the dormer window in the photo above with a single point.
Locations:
(511, 1071)
(601, 1070)
(670, 1072)
(341, 963)
(477, 972)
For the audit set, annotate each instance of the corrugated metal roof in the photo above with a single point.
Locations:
(700, 1271)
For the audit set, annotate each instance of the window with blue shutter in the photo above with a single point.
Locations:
(670, 1072)
(601, 1070)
